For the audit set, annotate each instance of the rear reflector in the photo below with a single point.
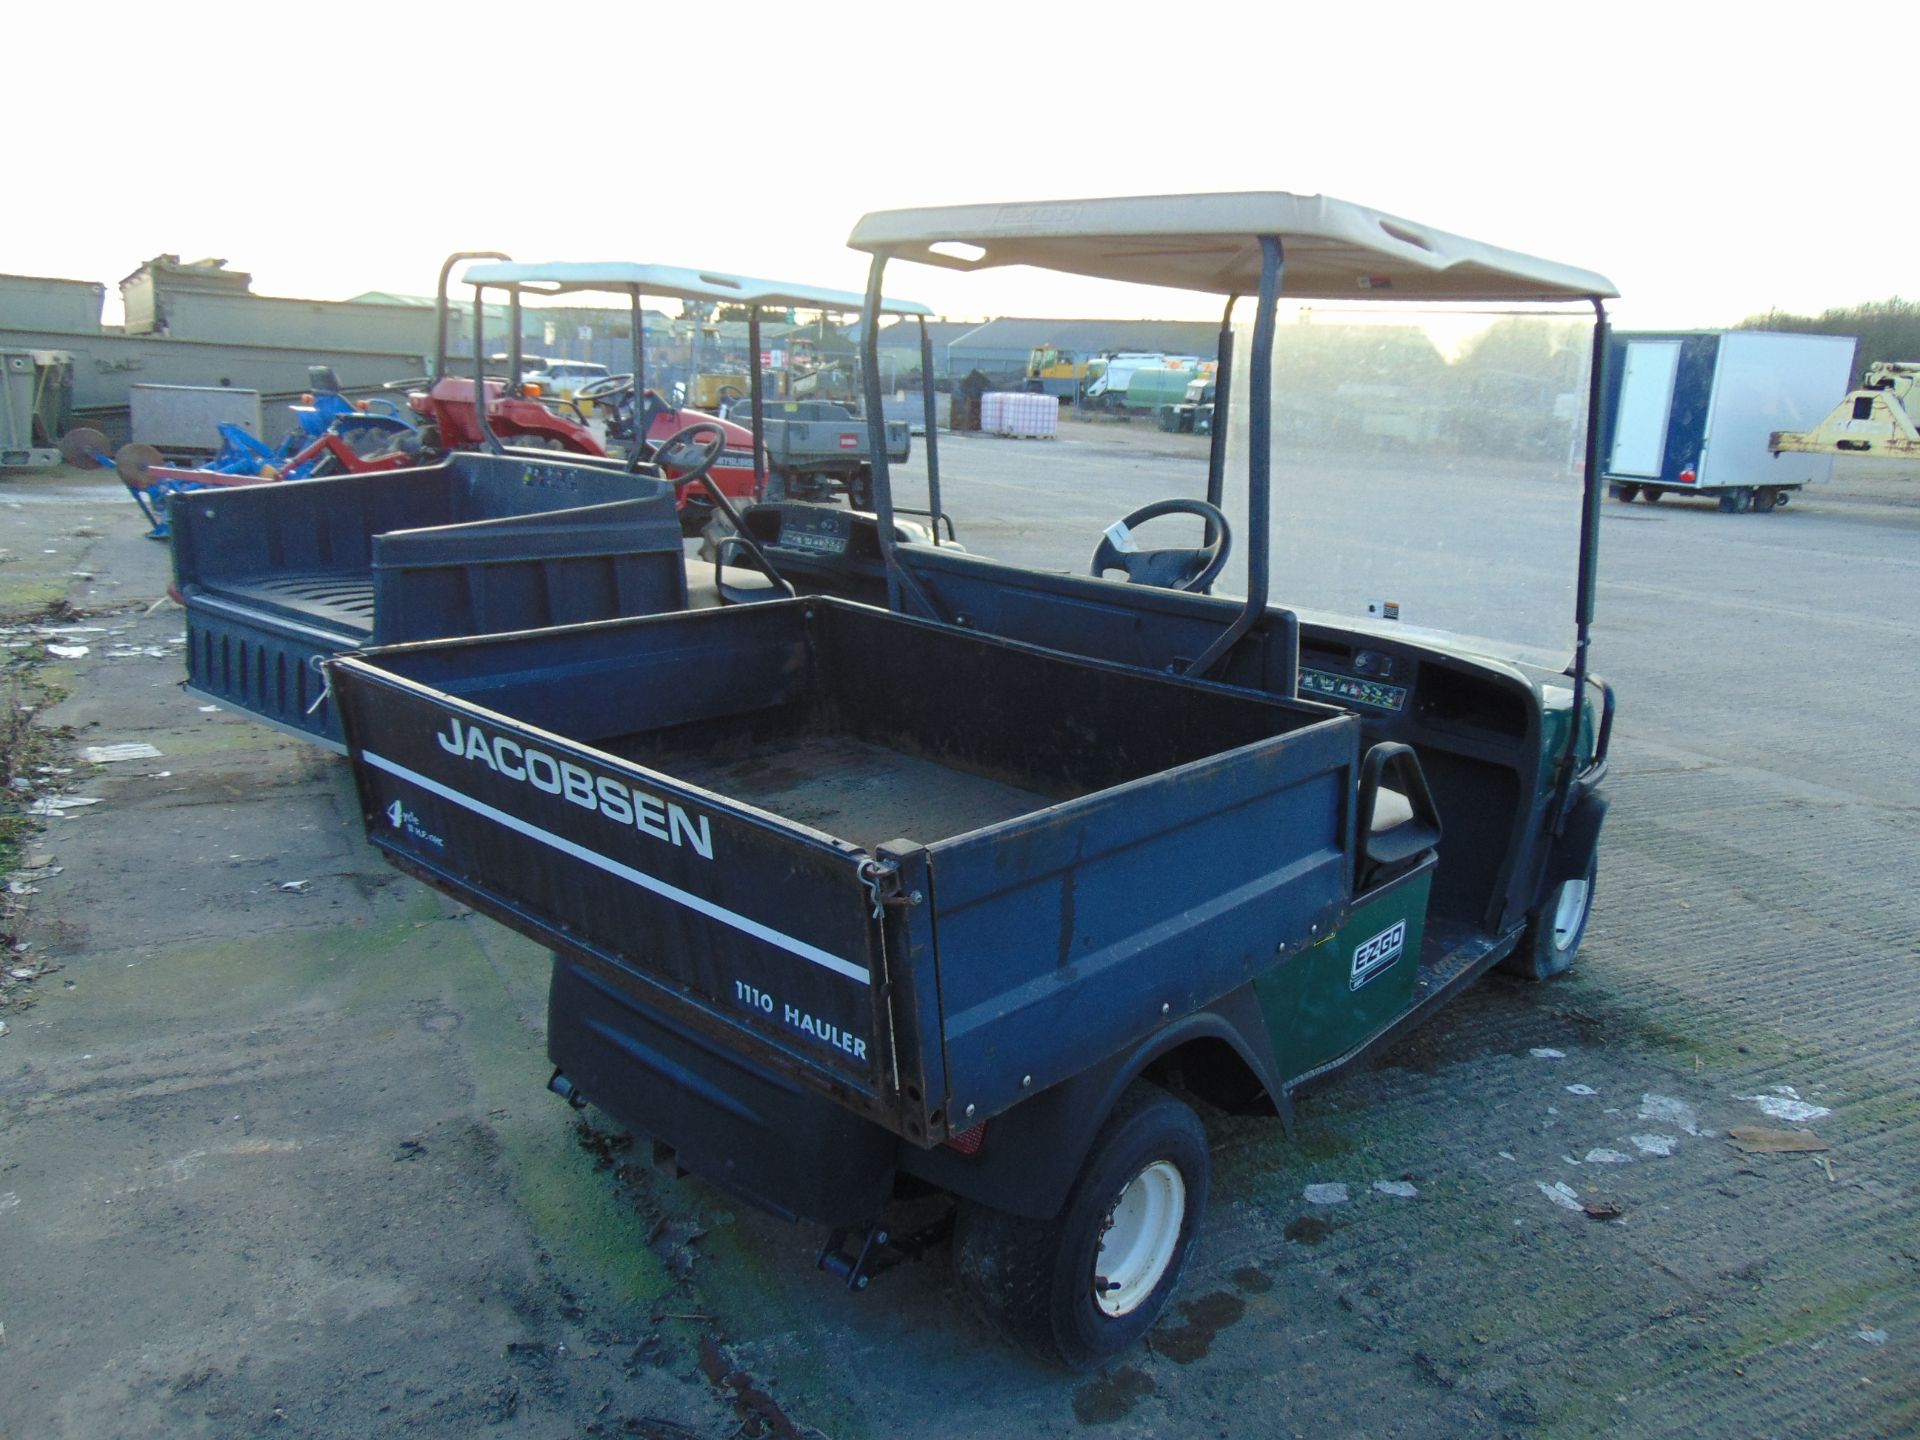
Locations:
(1686, 477)
(967, 1142)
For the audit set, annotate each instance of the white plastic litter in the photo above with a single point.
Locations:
(1608, 1157)
(113, 754)
(1544, 1053)
(1581, 1090)
(1673, 1112)
(60, 804)
(297, 887)
(1781, 1108)
(67, 652)
(1334, 1194)
(1398, 1189)
(1872, 1337)
(1561, 1194)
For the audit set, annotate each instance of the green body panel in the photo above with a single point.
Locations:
(1313, 1011)
(1148, 388)
(1554, 719)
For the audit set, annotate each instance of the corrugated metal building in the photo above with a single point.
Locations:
(900, 344)
(1001, 347)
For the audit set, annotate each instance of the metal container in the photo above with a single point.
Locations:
(188, 417)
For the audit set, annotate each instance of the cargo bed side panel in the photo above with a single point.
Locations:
(1066, 940)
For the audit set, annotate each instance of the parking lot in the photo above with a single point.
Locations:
(277, 1158)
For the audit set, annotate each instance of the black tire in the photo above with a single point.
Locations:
(1651, 494)
(1736, 502)
(1626, 494)
(1764, 499)
(1033, 1280)
(1553, 938)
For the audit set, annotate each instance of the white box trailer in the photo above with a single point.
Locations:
(1693, 412)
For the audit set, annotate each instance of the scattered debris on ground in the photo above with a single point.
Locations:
(1759, 1140)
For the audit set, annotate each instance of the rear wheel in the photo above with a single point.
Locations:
(1652, 494)
(1626, 494)
(1092, 1280)
(1555, 930)
(1765, 498)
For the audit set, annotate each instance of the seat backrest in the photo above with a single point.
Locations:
(1130, 624)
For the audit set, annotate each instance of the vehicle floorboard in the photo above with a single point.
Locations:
(858, 790)
(344, 602)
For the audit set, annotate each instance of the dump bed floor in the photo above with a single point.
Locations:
(853, 789)
(341, 602)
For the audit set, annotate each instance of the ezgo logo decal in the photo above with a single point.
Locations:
(1370, 957)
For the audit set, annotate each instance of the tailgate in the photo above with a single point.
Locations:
(796, 441)
(734, 922)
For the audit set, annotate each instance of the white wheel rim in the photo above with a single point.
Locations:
(1568, 913)
(1139, 1239)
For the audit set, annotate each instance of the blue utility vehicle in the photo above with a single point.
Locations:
(985, 887)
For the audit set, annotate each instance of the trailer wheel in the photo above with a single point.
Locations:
(1736, 502)
(1626, 494)
(1651, 494)
(1555, 930)
(1765, 498)
(1092, 1280)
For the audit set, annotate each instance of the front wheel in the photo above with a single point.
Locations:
(1554, 931)
(1092, 1280)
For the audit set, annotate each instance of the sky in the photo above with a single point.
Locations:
(1702, 156)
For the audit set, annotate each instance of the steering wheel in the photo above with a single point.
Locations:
(604, 389)
(692, 451)
(1191, 570)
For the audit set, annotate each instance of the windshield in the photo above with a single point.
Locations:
(1427, 472)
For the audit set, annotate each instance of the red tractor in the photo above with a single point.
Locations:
(449, 421)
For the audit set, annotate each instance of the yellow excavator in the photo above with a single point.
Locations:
(1877, 420)
(1051, 371)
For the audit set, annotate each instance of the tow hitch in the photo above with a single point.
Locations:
(880, 1250)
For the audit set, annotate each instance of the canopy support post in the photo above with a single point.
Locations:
(1217, 433)
(929, 409)
(755, 402)
(900, 581)
(1589, 567)
(1273, 264)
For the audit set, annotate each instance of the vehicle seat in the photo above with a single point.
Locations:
(1390, 809)
(732, 585)
(1402, 824)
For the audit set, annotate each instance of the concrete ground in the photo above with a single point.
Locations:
(275, 1155)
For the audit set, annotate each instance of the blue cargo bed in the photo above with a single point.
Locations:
(276, 577)
(920, 870)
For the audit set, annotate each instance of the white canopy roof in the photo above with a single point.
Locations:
(1334, 250)
(673, 282)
